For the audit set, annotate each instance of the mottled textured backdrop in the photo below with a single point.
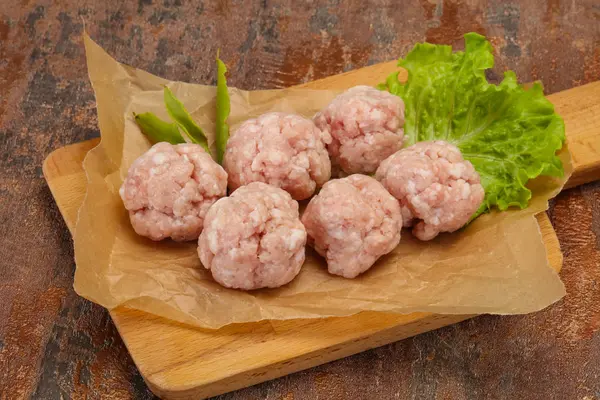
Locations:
(54, 344)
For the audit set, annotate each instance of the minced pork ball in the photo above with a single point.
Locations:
(284, 150)
(169, 189)
(352, 222)
(253, 238)
(437, 188)
(365, 126)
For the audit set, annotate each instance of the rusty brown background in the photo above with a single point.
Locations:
(54, 344)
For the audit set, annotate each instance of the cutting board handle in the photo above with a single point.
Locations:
(582, 106)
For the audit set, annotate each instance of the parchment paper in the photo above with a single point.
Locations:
(496, 265)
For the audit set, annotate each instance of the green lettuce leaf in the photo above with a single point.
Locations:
(223, 109)
(180, 115)
(158, 130)
(510, 134)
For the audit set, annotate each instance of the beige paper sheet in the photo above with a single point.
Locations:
(496, 265)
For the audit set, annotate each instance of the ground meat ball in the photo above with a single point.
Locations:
(438, 190)
(169, 189)
(366, 127)
(352, 222)
(283, 150)
(253, 238)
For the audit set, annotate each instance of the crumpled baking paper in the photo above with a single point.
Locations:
(496, 265)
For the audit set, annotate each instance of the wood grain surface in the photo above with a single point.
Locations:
(54, 344)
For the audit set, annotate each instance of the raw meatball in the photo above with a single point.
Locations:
(352, 222)
(438, 190)
(253, 238)
(366, 127)
(283, 150)
(169, 189)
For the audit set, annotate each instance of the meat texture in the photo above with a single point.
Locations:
(365, 126)
(283, 150)
(438, 190)
(253, 238)
(169, 189)
(352, 222)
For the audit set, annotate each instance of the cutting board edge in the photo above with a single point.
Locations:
(209, 388)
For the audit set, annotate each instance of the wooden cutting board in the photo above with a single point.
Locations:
(182, 362)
